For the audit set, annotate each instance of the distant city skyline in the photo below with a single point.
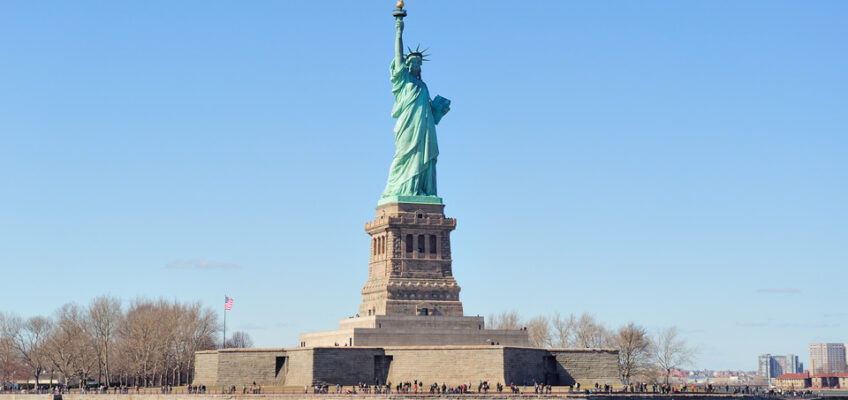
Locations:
(666, 163)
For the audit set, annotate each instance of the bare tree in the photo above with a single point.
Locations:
(87, 360)
(539, 330)
(159, 339)
(152, 344)
(199, 329)
(140, 339)
(60, 348)
(105, 315)
(671, 352)
(166, 339)
(588, 332)
(239, 340)
(70, 345)
(120, 364)
(505, 320)
(633, 346)
(10, 365)
(29, 342)
(563, 330)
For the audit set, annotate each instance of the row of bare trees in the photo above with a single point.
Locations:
(146, 343)
(642, 356)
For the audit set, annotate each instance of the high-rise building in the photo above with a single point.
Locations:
(770, 366)
(827, 357)
(789, 363)
(767, 367)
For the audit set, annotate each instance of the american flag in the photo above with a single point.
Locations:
(228, 303)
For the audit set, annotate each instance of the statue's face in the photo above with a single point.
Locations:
(414, 65)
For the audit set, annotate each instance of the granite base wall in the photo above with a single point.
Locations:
(300, 367)
(261, 363)
(523, 366)
(206, 366)
(268, 367)
(346, 366)
(586, 366)
(451, 365)
(441, 364)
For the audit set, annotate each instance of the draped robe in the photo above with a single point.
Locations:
(413, 170)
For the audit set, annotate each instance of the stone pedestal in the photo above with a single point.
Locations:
(410, 269)
(411, 297)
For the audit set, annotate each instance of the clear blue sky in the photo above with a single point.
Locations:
(665, 162)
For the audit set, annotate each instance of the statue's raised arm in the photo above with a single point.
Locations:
(399, 41)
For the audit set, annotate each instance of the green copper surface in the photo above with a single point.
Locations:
(413, 170)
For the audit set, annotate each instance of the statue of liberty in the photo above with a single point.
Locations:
(412, 176)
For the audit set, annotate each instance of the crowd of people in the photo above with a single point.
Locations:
(419, 387)
(415, 386)
(96, 389)
(253, 388)
(483, 387)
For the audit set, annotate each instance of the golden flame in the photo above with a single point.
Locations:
(400, 4)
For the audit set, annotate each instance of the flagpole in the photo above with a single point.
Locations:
(224, 343)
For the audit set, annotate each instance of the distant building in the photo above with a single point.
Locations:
(830, 380)
(766, 367)
(789, 363)
(793, 381)
(826, 358)
(769, 366)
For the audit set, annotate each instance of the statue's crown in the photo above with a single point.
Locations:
(417, 53)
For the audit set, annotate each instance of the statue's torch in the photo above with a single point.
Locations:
(399, 12)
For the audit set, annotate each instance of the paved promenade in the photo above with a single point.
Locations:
(830, 395)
